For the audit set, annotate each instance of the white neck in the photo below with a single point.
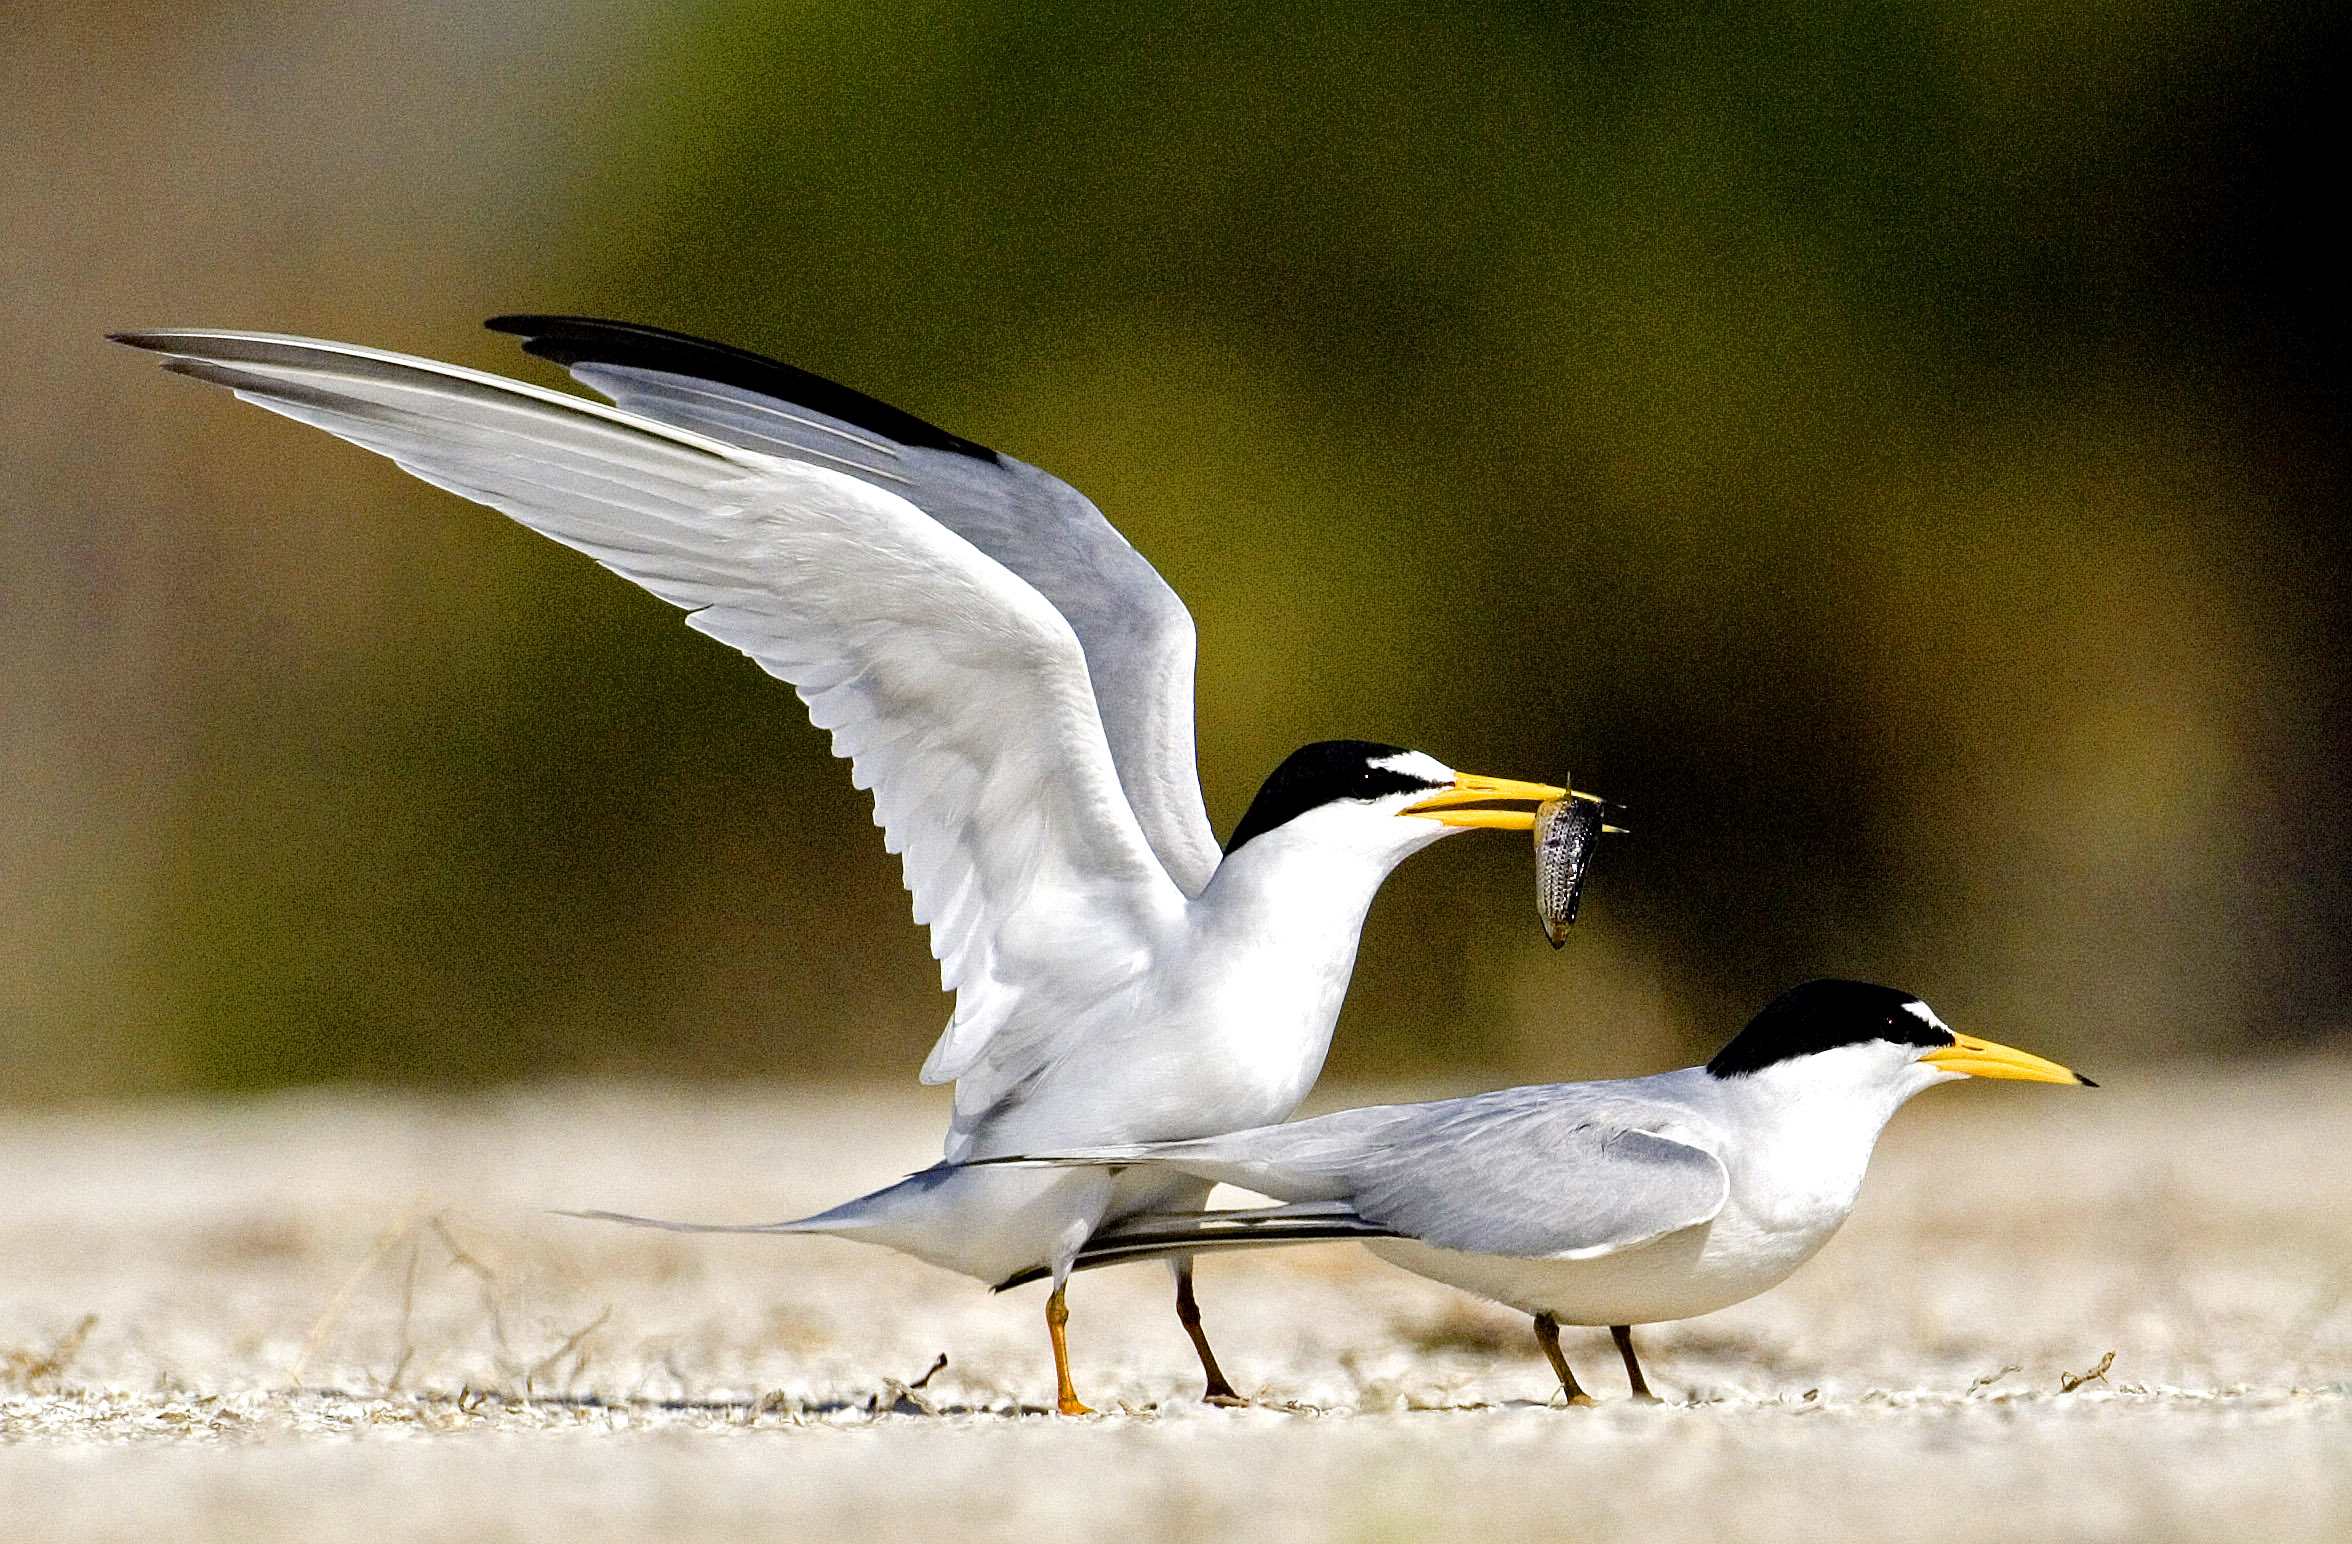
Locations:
(1280, 920)
(1311, 880)
(1809, 1126)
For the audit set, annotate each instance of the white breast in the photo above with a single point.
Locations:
(1680, 1276)
(1228, 1026)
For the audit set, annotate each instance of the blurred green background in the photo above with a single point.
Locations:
(1897, 449)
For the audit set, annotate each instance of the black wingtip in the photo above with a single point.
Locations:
(572, 340)
(2085, 1082)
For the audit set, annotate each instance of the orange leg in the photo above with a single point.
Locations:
(1057, 1314)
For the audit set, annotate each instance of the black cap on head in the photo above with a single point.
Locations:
(1315, 775)
(1823, 1015)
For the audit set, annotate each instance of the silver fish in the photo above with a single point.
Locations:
(1566, 831)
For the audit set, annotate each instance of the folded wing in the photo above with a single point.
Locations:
(1549, 1173)
(1137, 637)
(1552, 1171)
(959, 695)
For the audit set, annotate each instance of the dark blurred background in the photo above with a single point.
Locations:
(1898, 450)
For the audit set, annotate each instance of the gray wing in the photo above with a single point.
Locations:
(1562, 1170)
(951, 685)
(1538, 1180)
(1137, 637)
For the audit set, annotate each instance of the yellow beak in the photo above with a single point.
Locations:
(1470, 788)
(1984, 1059)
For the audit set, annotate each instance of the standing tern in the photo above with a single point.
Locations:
(1618, 1203)
(1013, 682)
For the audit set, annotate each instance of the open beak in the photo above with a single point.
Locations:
(1470, 788)
(1984, 1059)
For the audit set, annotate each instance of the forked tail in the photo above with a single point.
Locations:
(986, 1223)
(863, 1215)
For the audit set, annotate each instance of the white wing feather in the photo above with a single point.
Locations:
(1136, 634)
(959, 695)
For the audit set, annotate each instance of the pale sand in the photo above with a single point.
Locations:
(477, 1369)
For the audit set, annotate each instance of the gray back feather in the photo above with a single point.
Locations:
(1551, 1170)
(1137, 636)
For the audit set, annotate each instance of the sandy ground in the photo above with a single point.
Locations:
(330, 1317)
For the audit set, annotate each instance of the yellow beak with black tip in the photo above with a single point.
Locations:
(1983, 1059)
(1471, 788)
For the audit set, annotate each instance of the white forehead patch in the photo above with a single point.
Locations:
(1926, 1015)
(1417, 764)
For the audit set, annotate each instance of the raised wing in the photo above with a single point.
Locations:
(1137, 636)
(959, 695)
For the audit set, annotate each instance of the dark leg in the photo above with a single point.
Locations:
(1219, 1392)
(1547, 1335)
(1057, 1314)
(1641, 1388)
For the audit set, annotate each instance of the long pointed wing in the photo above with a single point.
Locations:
(1558, 1170)
(1539, 1177)
(959, 695)
(1157, 1235)
(1137, 636)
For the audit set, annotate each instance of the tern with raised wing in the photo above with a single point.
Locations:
(1605, 1204)
(1013, 683)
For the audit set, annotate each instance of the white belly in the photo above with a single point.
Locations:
(1225, 1028)
(1680, 1276)
(992, 1223)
